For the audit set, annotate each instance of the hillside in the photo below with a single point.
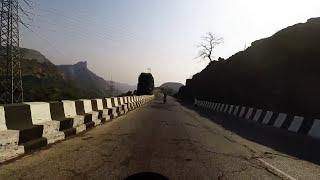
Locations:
(31, 54)
(123, 87)
(44, 81)
(172, 85)
(83, 77)
(278, 73)
(171, 88)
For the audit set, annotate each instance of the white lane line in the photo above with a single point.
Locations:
(277, 171)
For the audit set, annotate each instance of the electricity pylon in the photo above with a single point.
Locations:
(11, 90)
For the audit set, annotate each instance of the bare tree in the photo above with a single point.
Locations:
(209, 42)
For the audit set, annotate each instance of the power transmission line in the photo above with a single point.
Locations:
(117, 28)
(88, 24)
(44, 39)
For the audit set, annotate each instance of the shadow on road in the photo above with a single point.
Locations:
(297, 145)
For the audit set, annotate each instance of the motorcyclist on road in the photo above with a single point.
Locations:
(164, 97)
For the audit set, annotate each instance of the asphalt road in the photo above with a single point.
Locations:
(170, 139)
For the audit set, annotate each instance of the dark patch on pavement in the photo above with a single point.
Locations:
(166, 123)
(126, 161)
(147, 175)
(87, 138)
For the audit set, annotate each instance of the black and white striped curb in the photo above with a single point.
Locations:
(292, 123)
(24, 127)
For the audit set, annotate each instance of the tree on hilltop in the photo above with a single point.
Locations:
(209, 42)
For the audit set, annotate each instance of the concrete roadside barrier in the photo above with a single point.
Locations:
(28, 126)
(113, 112)
(87, 106)
(280, 119)
(130, 103)
(226, 108)
(88, 119)
(222, 107)
(57, 114)
(98, 106)
(135, 101)
(138, 102)
(218, 107)
(214, 106)
(249, 113)
(123, 106)
(315, 129)
(18, 117)
(115, 104)
(126, 100)
(142, 99)
(257, 115)
(205, 104)
(236, 110)
(9, 140)
(295, 124)
(94, 104)
(267, 117)
(242, 112)
(208, 105)
(69, 108)
(231, 109)
(196, 102)
(40, 115)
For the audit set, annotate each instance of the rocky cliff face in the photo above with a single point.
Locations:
(80, 74)
(44, 81)
(280, 73)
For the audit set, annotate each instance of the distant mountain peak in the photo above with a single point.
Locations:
(78, 73)
(81, 64)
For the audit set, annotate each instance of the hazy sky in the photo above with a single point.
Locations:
(121, 38)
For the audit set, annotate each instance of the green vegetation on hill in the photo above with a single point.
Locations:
(43, 82)
(84, 79)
